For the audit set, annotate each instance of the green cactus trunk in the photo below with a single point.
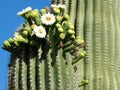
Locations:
(30, 72)
(44, 68)
(98, 22)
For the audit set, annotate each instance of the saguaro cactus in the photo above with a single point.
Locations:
(98, 22)
(49, 58)
(44, 52)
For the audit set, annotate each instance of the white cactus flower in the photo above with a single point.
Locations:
(48, 19)
(58, 6)
(24, 11)
(39, 31)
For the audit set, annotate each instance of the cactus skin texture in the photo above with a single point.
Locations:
(98, 22)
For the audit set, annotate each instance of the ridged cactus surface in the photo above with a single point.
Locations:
(45, 52)
(98, 21)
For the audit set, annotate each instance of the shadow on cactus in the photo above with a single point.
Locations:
(44, 51)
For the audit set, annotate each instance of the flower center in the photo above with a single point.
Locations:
(40, 31)
(48, 18)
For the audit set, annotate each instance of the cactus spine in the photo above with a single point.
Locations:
(99, 24)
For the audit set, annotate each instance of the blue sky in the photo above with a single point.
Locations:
(9, 21)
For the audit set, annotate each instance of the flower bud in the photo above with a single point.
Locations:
(60, 29)
(10, 40)
(25, 33)
(19, 38)
(66, 17)
(27, 29)
(79, 40)
(71, 26)
(70, 31)
(58, 25)
(34, 13)
(58, 18)
(82, 54)
(33, 26)
(42, 11)
(56, 10)
(6, 44)
(72, 37)
(85, 81)
(62, 36)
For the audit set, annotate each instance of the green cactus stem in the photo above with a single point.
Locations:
(98, 22)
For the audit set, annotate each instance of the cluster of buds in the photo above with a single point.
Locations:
(48, 25)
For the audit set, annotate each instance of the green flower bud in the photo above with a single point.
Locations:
(66, 17)
(27, 29)
(25, 33)
(62, 36)
(16, 43)
(35, 16)
(82, 54)
(70, 31)
(72, 37)
(58, 18)
(78, 40)
(58, 25)
(6, 43)
(85, 81)
(60, 29)
(33, 26)
(34, 13)
(78, 37)
(56, 10)
(18, 38)
(71, 26)
(10, 40)
(42, 11)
